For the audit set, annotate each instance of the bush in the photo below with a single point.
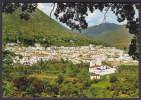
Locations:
(8, 89)
(21, 83)
(72, 74)
(86, 84)
(60, 79)
(95, 81)
(113, 79)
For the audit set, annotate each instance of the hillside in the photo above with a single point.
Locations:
(40, 28)
(116, 35)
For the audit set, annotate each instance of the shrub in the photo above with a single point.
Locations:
(113, 79)
(60, 79)
(95, 81)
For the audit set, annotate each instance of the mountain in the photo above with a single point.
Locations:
(42, 29)
(111, 33)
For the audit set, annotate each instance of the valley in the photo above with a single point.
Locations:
(42, 58)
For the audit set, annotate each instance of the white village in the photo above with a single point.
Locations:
(103, 60)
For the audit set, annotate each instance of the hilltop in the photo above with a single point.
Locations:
(40, 28)
(111, 33)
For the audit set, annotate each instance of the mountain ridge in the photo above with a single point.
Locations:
(40, 28)
(110, 33)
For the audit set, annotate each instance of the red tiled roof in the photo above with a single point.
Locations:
(93, 74)
(94, 66)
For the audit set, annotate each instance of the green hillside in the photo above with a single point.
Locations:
(101, 28)
(40, 28)
(113, 34)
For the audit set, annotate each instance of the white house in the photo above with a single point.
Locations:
(100, 70)
(37, 44)
(25, 61)
(93, 68)
(91, 46)
(94, 76)
(11, 44)
(96, 62)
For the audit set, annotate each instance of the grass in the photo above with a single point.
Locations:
(88, 93)
(102, 84)
(43, 76)
(69, 78)
(49, 76)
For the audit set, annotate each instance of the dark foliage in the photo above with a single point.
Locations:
(60, 79)
(113, 79)
(25, 7)
(74, 15)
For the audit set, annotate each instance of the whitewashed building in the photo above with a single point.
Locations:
(11, 44)
(100, 70)
(95, 76)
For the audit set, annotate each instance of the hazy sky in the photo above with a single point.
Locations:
(92, 18)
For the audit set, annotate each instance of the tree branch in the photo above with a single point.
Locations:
(52, 9)
(104, 19)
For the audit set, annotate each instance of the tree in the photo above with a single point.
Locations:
(67, 92)
(86, 84)
(31, 90)
(125, 48)
(8, 89)
(21, 83)
(60, 79)
(74, 14)
(26, 8)
(113, 79)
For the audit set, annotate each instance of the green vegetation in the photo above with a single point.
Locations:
(110, 33)
(113, 79)
(40, 28)
(59, 78)
(124, 84)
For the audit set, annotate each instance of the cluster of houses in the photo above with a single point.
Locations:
(95, 55)
(97, 69)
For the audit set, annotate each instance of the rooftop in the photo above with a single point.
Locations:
(94, 66)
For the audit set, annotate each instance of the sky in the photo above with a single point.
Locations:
(95, 18)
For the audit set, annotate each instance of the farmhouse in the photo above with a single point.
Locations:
(100, 70)
(94, 76)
